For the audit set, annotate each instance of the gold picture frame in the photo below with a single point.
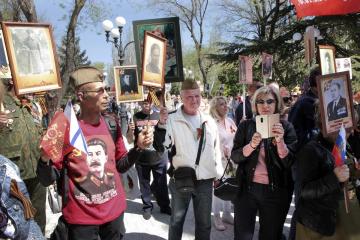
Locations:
(154, 58)
(127, 85)
(32, 57)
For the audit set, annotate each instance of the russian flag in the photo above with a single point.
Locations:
(339, 150)
(76, 137)
(63, 136)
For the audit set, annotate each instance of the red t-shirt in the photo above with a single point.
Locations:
(96, 194)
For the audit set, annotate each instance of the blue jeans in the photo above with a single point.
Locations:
(202, 199)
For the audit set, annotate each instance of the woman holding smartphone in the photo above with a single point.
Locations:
(263, 171)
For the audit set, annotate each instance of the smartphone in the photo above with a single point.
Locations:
(265, 123)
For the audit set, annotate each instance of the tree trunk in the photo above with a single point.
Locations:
(70, 48)
(28, 8)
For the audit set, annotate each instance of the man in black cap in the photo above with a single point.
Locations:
(94, 211)
(181, 132)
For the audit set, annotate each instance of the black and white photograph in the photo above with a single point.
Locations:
(327, 59)
(154, 58)
(336, 105)
(245, 70)
(266, 64)
(343, 65)
(32, 56)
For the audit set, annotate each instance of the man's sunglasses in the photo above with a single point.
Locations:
(268, 102)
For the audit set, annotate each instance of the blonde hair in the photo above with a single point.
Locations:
(213, 104)
(264, 91)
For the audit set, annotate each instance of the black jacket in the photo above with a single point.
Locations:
(279, 171)
(319, 187)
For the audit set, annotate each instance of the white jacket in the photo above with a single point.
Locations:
(180, 133)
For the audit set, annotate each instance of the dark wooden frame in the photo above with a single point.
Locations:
(349, 122)
(118, 71)
(155, 25)
(38, 82)
(321, 62)
(152, 79)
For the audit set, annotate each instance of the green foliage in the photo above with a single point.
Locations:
(268, 26)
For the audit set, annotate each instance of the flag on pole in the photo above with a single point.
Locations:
(325, 7)
(63, 136)
(339, 150)
(76, 137)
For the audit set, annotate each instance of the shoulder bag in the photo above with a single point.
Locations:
(185, 177)
(227, 187)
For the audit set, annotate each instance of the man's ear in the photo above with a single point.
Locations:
(80, 96)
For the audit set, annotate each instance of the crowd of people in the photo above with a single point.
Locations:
(180, 151)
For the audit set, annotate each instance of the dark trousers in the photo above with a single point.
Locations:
(37, 194)
(158, 187)
(272, 206)
(113, 230)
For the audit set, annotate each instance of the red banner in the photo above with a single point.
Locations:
(325, 7)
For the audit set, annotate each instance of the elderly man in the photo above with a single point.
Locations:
(337, 108)
(181, 132)
(92, 210)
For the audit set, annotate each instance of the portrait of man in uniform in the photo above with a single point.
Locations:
(337, 107)
(98, 180)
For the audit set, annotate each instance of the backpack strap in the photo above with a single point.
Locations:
(111, 125)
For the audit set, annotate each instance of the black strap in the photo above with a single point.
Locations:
(227, 164)
(200, 144)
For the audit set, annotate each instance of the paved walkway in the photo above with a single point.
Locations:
(156, 228)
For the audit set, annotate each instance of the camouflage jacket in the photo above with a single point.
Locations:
(20, 140)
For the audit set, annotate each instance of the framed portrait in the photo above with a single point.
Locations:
(168, 28)
(245, 70)
(127, 85)
(153, 64)
(336, 105)
(327, 59)
(266, 65)
(344, 64)
(32, 57)
(4, 61)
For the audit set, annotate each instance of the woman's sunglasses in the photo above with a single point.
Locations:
(268, 102)
(287, 99)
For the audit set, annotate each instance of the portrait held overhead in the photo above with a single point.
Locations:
(153, 71)
(327, 59)
(266, 65)
(32, 56)
(168, 28)
(127, 84)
